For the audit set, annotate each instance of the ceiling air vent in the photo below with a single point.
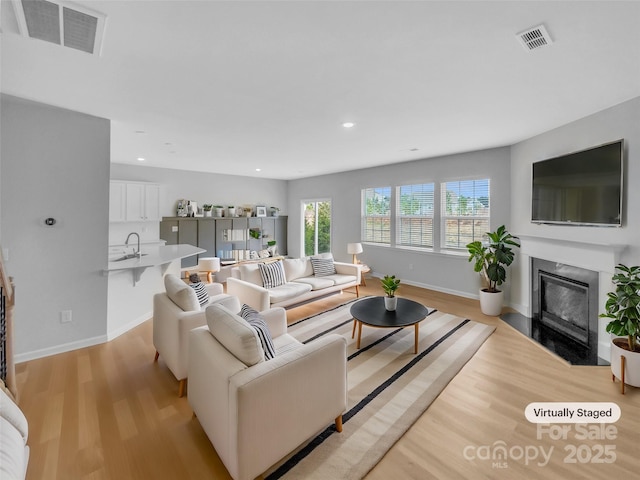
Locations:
(62, 23)
(534, 38)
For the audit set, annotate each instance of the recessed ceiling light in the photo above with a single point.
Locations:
(258, 169)
(348, 124)
(141, 159)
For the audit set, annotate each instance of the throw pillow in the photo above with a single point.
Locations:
(258, 322)
(322, 266)
(201, 293)
(272, 274)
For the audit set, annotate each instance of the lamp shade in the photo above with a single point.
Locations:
(354, 248)
(209, 264)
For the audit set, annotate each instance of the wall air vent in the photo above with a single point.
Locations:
(534, 38)
(62, 23)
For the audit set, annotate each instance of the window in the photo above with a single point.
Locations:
(376, 215)
(317, 227)
(414, 215)
(465, 212)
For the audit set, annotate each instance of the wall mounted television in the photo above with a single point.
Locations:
(580, 188)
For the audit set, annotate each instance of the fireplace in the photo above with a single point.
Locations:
(564, 301)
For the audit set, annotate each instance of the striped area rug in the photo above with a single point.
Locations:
(389, 388)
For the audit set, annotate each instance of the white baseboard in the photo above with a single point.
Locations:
(86, 342)
(128, 326)
(65, 347)
(433, 287)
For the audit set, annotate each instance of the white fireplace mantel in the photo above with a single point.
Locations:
(600, 257)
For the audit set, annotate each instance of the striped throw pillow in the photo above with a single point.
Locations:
(272, 274)
(322, 266)
(257, 321)
(201, 293)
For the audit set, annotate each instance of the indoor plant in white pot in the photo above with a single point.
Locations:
(490, 260)
(623, 308)
(390, 284)
(207, 209)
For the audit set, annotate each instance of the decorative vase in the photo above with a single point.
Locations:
(207, 213)
(491, 302)
(390, 303)
(219, 212)
(631, 360)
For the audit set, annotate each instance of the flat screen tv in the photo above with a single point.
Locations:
(580, 188)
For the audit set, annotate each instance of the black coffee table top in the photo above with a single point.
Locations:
(371, 311)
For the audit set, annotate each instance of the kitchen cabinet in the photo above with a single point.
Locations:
(134, 201)
(226, 238)
(142, 202)
(117, 201)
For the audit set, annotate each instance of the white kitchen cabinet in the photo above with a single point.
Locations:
(134, 202)
(117, 201)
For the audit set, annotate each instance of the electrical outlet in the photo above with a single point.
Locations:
(65, 316)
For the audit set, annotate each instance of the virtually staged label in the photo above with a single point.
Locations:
(572, 412)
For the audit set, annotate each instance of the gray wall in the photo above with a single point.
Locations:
(55, 163)
(440, 271)
(620, 121)
(213, 188)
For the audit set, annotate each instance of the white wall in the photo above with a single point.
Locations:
(443, 272)
(55, 163)
(620, 121)
(201, 187)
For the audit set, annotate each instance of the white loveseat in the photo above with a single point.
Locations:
(14, 430)
(301, 285)
(175, 312)
(256, 411)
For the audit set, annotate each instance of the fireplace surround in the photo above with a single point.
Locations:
(564, 310)
(570, 329)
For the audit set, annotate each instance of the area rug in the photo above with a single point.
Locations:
(389, 388)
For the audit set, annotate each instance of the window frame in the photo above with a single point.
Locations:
(444, 217)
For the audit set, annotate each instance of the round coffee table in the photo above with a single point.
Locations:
(371, 312)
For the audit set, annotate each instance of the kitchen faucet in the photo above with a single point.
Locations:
(136, 252)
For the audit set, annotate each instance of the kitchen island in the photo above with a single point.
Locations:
(150, 256)
(130, 295)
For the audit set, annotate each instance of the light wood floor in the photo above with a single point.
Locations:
(110, 412)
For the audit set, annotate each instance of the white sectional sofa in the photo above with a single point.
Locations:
(301, 283)
(14, 431)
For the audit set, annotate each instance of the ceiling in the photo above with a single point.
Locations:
(235, 86)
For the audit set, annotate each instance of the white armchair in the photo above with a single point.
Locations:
(175, 312)
(255, 412)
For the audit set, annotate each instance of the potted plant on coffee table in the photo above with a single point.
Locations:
(390, 284)
(490, 260)
(623, 308)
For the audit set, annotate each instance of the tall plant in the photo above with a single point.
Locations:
(623, 305)
(492, 258)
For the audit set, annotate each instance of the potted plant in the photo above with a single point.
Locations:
(206, 208)
(623, 308)
(490, 260)
(275, 211)
(219, 210)
(390, 284)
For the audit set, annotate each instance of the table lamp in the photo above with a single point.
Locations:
(354, 249)
(209, 265)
